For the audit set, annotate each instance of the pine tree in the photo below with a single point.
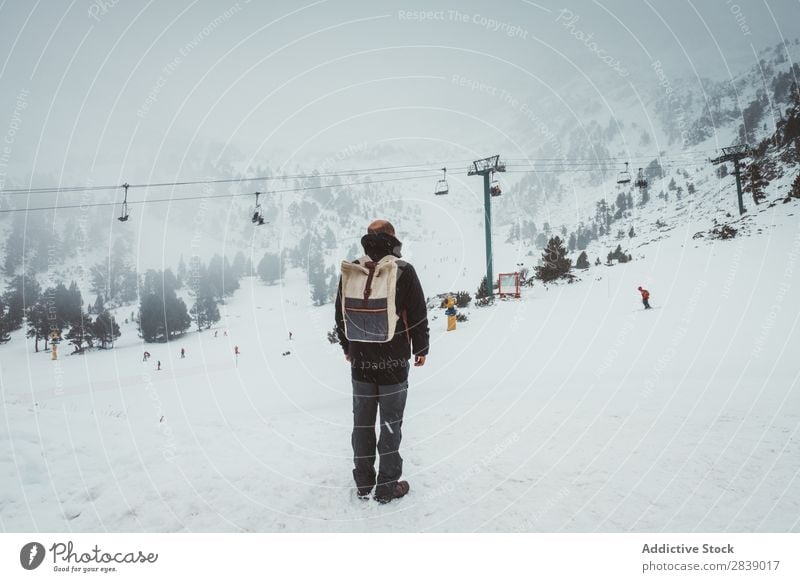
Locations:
(602, 216)
(483, 289)
(114, 279)
(463, 298)
(151, 318)
(241, 266)
(622, 204)
(317, 279)
(583, 239)
(181, 272)
(105, 329)
(583, 261)
(269, 268)
(15, 244)
(162, 314)
(176, 316)
(128, 282)
(205, 311)
(333, 336)
(38, 324)
(59, 301)
(73, 305)
(99, 305)
(22, 292)
(795, 190)
(81, 334)
(5, 336)
(218, 277)
(554, 263)
(755, 182)
(619, 255)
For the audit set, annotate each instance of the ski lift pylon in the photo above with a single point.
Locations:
(624, 176)
(441, 186)
(124, 215)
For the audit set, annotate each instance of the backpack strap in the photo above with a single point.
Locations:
(370, 265)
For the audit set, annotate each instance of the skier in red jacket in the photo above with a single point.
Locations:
(645, 297)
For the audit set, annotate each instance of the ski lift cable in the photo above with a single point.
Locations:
(210, 196)
(648, 157)
(668, 164)
(595, 170)
(353, 172)
(406, 168)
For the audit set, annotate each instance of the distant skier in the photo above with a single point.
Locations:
(216, 332)
(645, 297)
(146, 356)
(290, 336)
(159, 365)
(183, 353)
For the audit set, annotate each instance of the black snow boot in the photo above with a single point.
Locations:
(384, 494)
(364, 492)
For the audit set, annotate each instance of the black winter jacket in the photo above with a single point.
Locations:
(387, 363)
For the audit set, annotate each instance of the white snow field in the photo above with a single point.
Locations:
(571, 409)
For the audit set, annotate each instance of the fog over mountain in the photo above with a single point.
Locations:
(120, 91)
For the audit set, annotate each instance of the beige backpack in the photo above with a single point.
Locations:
(368, 299)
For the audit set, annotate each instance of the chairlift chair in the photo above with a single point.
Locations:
(258, 215)
(441, 185)
(124, 215)
(494, 187)
(624, 176)
(641, 181)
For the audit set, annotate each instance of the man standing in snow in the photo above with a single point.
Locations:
(380, 372)
(645, 297)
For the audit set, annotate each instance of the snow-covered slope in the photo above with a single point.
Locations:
(570, 409)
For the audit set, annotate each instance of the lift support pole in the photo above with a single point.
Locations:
(487, 225)
(735, 154)
(486, 167)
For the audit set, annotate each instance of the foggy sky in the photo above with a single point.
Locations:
(102, 90)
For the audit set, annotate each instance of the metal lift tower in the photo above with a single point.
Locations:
(486, 167)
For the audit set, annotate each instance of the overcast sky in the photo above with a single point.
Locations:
(93, 88)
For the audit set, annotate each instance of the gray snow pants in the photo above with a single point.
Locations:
(367, 398)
